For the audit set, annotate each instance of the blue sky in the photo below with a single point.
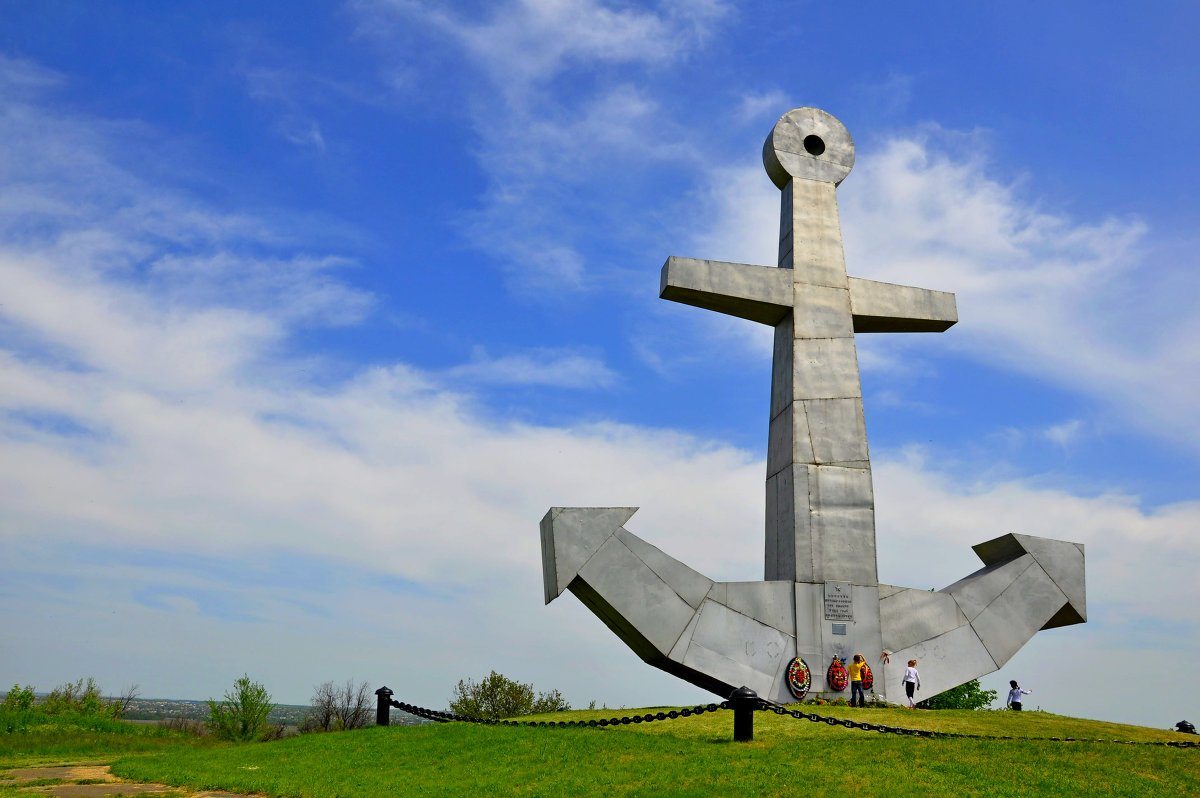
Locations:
(309, 311)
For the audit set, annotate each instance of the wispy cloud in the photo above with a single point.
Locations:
(1039, 292)
(527, 43)
(548, 367)
(554, 153)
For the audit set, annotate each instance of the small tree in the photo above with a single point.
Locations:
(339, 708)
(242, 716)
(18, 699)
(497, 697)
(965, 696)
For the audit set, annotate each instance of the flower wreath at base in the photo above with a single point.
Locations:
(836, 677)
(798, 677)
(868, 678)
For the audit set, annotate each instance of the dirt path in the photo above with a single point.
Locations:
(95, 781)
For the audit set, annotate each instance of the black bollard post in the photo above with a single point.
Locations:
(383, 707)
(744, 700)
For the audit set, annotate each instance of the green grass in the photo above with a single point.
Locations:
(689, 756)
(696, 756)
(29, 739)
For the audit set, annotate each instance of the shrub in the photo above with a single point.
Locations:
(339, 708)
(242, 716)
(18, 699)
(496, 697)
(965, 696)
(80, 698)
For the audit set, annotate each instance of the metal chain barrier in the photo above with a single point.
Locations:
(779, 709)
(445, 717)
(760, 705)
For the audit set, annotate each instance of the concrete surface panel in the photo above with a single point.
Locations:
(758, 293)
(788, 440)
(809, 620)
(789, 526)
(679, 651)
(571, 535)
(781, 368)
(911, 616)
(1013, 617)
(727, 669)
(821, 312)
(779, 551)
(825, 368)
(888, 590)
(817, 257)
(833, 487)
(785, 230)
(740, 639)
(973, 593)
(637, 594)
(864, 635)
(884, 307)
(770, 603)
(844, 548)
(944, 662)
(692, 586)
(790, 150)
(1064, 563)
(837, 431)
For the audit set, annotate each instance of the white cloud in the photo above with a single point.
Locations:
(524, 42)
(1066, 433)
(549, 367)
(555, 151)
(1063, 300)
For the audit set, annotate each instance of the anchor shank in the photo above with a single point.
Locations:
(820, 520)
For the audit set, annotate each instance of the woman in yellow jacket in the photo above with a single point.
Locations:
(856, 681)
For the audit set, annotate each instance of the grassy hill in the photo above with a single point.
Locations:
(689, 756)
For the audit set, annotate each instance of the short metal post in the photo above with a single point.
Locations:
(744, 701)
(383, 707)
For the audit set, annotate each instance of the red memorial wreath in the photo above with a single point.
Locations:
(836, 677)
(798, 678)
(868, 678)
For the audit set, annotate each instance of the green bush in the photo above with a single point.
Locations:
(18, 699)
(965, 696)
(242, 716)
(71, 698)
(496, 697)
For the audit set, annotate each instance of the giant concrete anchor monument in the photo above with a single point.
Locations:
(821, 596)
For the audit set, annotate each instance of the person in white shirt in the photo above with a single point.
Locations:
(1014, 696)
(911, 682)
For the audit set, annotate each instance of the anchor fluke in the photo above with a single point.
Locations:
(974, 626)
(570, 536)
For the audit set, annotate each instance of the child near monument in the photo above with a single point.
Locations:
(856, 681)
(911, 682)
(1014, 696)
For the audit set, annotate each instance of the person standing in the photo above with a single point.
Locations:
(911, 682)
(1014, 695)
(856, 681)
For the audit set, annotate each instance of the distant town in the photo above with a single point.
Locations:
(165, 709)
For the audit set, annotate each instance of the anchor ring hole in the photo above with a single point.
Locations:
(814, 145)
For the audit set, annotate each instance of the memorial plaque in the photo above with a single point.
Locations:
(838, 606)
